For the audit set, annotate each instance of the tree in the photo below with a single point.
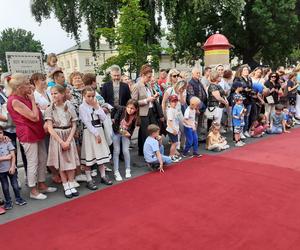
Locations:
(95, 14)
(259, 29)
(17, 40)
(72, 13)
(129, 36)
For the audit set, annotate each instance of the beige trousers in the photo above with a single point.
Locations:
(36, 155)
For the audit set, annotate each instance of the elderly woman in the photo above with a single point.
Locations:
(216, 99)
(30, 132)
(147, 102)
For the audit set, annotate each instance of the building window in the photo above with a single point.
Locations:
(75, 63)
(68, 64)
(87, 61)
(62, 64)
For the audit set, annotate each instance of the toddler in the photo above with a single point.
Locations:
(259, 127)
(8, 171)
(214, 141)
(238, 113)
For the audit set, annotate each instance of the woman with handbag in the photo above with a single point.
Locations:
(216, 99)
(271, 94)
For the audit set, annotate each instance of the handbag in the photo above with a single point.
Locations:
(3, 111)
(270, 99)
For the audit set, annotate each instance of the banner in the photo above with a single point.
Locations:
(24, 62)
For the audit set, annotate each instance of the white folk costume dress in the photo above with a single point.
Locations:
(91, 151)
(62, 118)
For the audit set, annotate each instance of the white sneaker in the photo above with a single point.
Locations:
(247, 134)
(127, 173)
(81, 178)
(242, 136)
(75, 184)
(94, 173)
(118, 177)
(226, 147)
(239, 144)
(107, 169)
(40, 196)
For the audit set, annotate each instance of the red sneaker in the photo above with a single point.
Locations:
(2, 210)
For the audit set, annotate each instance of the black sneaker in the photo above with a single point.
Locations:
(20, 202)
(186, 156)
(8, 205)
(91, 185)
(106, 181)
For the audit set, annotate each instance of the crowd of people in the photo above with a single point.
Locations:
(73, 128)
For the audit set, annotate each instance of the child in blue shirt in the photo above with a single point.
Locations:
(8, 171)
(154, 150)
(277, 121)
(238, 113)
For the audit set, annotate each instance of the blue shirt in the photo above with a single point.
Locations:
(237, 111)
(5, 149)
(151, 146)
(277, 119)
(258, 87)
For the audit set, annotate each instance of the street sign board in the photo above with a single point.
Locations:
(25, 62)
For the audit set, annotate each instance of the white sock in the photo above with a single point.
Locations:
(66, 186)
(88, 175)
(102, 171)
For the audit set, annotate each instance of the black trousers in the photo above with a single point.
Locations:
(143, 132)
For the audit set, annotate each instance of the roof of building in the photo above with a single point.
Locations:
(85, 46)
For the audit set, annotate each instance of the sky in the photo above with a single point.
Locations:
(17, 14)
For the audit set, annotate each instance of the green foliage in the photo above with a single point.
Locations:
(264, 28)
(17, 40)
(129, 36)
(71, 14)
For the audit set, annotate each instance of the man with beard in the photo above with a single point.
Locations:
(115, 92)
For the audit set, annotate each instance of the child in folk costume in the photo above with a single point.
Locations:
(61, 123)
(94, 148)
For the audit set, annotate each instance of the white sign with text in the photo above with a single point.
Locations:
(25, 62)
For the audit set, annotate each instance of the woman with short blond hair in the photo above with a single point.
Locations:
(30, 132)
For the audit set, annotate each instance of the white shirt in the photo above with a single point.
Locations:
(149, 94)
(172, 115)
(87, 112)
(189, 115)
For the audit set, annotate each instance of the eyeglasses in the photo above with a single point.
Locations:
(273, 76)
(175, 75)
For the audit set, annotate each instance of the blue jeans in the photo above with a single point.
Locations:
(5, 185)
(191, 140)
(275, 130)
(125, 147)
(166, 159)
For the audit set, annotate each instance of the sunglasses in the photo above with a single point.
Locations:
(175, 75)
(273, 76)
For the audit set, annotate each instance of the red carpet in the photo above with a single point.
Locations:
(248, 198)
